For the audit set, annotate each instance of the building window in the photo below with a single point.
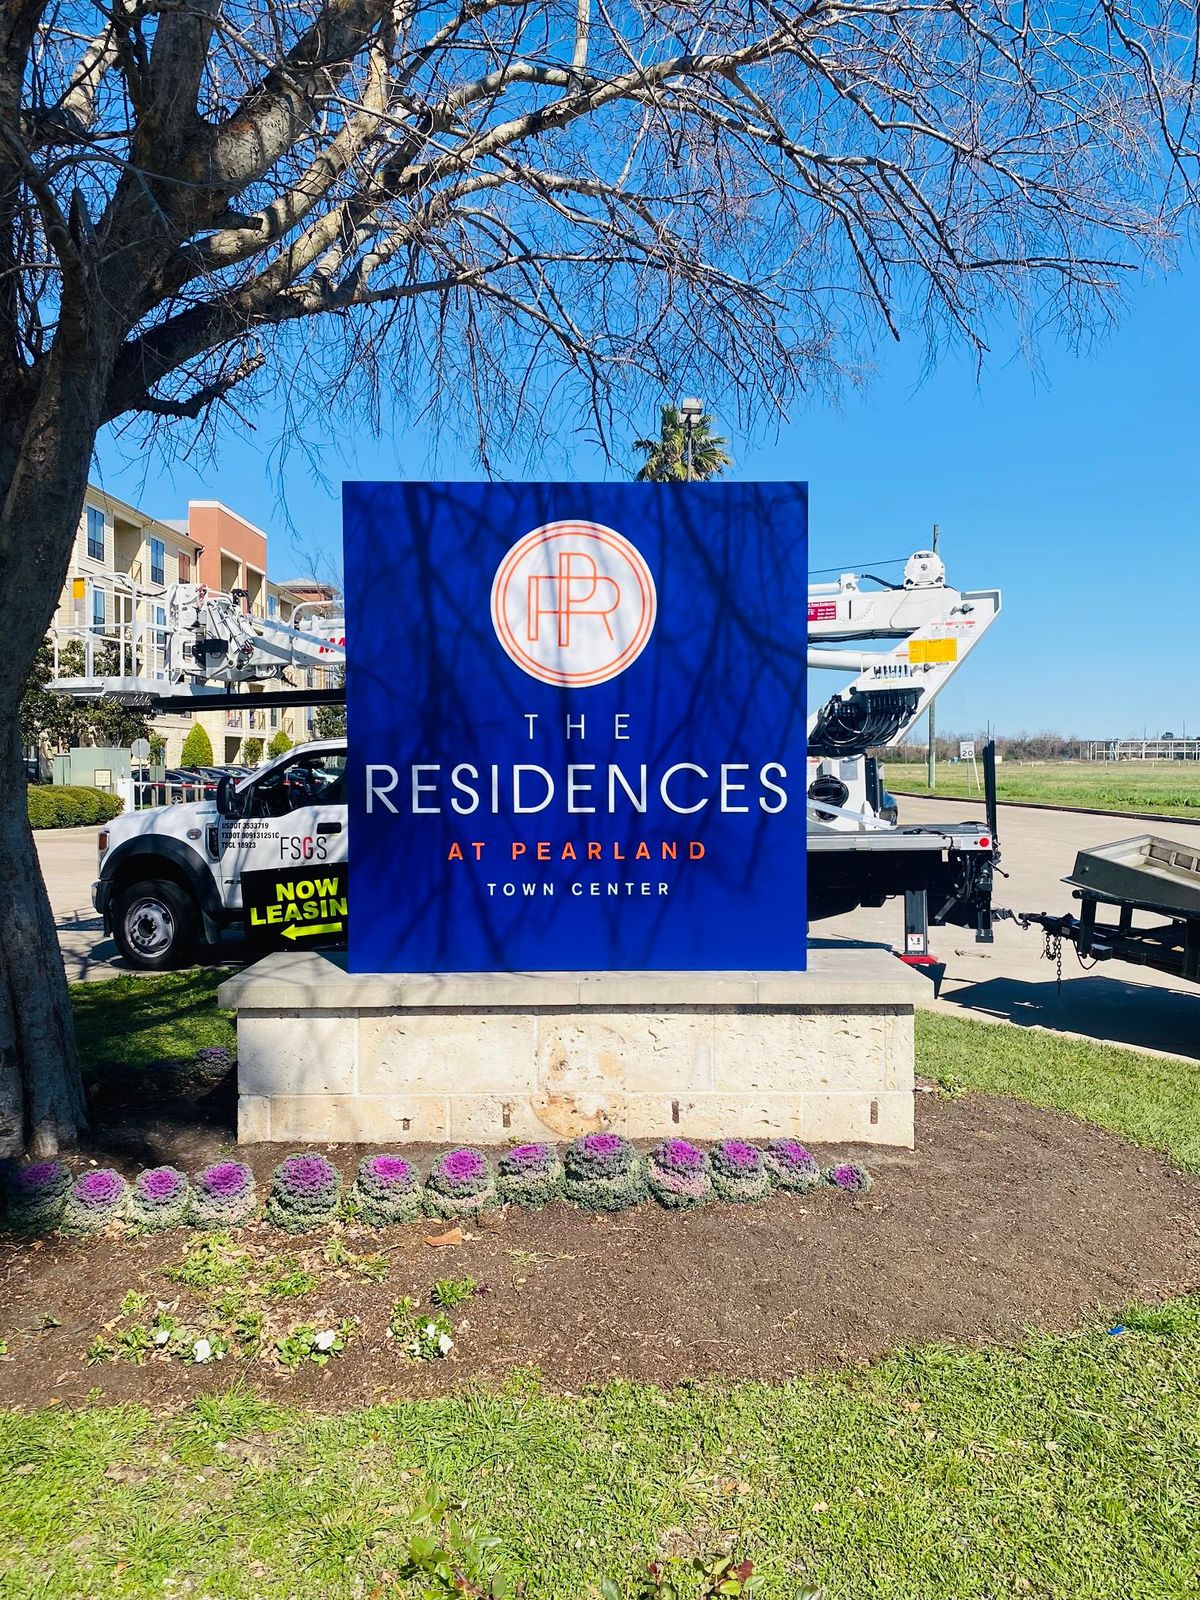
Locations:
(272, 605)
(98, 617)
(95, 534)
(185, 567)
(158, 561)
(274, 717)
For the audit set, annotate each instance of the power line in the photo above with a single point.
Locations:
(853, 566)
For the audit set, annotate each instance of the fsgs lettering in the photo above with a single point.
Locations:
(303, 847)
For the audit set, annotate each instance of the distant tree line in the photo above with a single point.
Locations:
(1013, 747)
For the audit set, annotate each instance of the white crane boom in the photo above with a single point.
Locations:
(935, 628)
(187, 640)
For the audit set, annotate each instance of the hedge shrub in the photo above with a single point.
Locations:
(60, 805)
(197, 748)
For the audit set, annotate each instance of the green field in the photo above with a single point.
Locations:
(1170, 788)
(1061, 1469)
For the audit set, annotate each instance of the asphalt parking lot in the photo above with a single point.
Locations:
(1005, 981)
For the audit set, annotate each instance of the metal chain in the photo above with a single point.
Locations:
(1052, 951)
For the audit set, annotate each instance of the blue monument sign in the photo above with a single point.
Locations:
(577, 726)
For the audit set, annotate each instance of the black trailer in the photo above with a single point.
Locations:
(1144, 874)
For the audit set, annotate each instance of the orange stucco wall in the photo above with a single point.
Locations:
(223, 533)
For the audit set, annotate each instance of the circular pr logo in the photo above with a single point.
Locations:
(573, 603)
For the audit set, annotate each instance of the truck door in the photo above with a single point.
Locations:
(284, 862)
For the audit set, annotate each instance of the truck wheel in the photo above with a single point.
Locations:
(155, 925)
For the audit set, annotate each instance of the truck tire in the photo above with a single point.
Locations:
(155, 924)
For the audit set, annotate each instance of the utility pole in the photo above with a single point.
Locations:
(931, 759)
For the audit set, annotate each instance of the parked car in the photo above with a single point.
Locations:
(182, 785)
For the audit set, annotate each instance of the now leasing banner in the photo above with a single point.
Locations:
(576, 724)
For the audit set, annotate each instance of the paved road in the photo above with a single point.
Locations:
(1008, 980)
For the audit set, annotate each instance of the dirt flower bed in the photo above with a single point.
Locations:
(1006, 1218)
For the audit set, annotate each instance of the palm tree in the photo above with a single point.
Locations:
(666, 456)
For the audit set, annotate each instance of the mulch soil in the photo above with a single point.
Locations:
(1005, 1219)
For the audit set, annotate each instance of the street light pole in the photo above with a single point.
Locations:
(691, 410)
(931, 758)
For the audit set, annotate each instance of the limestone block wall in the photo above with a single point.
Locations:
(825, 1056)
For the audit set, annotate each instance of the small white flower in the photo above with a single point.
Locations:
(431, 1330)
(162, 1336)
(324, 1340)
(445, 1344)
(201, 1350)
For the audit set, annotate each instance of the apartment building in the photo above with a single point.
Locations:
(124, 560)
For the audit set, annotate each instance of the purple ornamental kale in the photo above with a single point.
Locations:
(792, 1167)
(39, 1178)
(391, 1170)
(223, 1195)
(527, 1158)
(225, 1179)
(604, 1146)
(307, 1175)
(160, 1198)
(460, 1183)
(462, 1170)
(159, 1184)
(215, 1057)
(603, 1172)
(530, 1175)
(96, 1199)
(98, 1189)
(849, 1177)
(740, 1156)
(304, 1193)
(385, 1190)
(677, 1174)
(677, 1155)
(739, 1171)
(37, 1195)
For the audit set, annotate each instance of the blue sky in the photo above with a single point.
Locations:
(1076, 490)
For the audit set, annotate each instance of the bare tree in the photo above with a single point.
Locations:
(510, 208)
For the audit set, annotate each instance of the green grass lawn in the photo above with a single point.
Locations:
(1151, 1100)
(1170, 788)
(148, 1018)
(1063, 1468)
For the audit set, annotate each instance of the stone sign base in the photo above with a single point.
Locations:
(486, 1058)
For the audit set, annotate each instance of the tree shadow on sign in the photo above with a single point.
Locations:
(1102, 1008)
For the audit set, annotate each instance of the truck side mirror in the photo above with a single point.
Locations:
(228, 801)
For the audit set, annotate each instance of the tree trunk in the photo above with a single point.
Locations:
(41, 1096)
(44, 459)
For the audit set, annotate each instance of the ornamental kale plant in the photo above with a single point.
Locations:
(160, 1198)
(677, 1174)
(215, 1060)
(791, 1166)
(739, 1171)
(849, 1177)
(386, 1189)
(460, 1184)
(37, 1196)
(530, 1175)
(603, 1172)
(96, 1199)
(304, 1193)
(223, 1195)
